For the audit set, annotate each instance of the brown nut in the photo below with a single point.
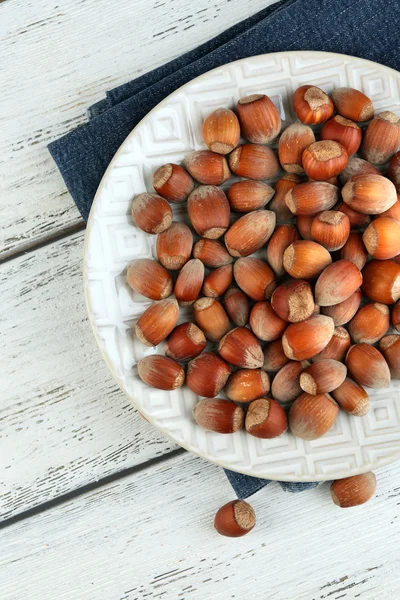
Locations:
(370, 323)
(311, 197)
(246, 385)
(331, 229)
(352, 104)
(278, 203)
(241, 348)
(343, 312)
(304, 224)
(357, 166)
(394, 211)
(216, 414)
(212, 253)
(396, 316)
(283, 236)
(367, 366)
(221, 131)
(207, 374)
(265, 419)
(337, 347)
(293, 141)
(209, 211)
(293, 301)
(254, 161)
(217, 282)
(247, 195)
(344, 131)
(357, 220)
(265, 323)
(157, 322)
(370, 194)
(337, 283)
(286, 383)
(394, 170)
(305, 259)
(307, 338)
(189, 281)
(185, 342)
(382, 138)
(235, 519)
(211, 317)
(354, 249)
(237, 306)
(149, 278)
(323, 376)
(382, 238)
(250, 232)
(174, 246)
(353, 491)
(207, 167)
(259, 118)
(312, 105)
(161, 372)
(274, 357)
(151, 213)
(390, 348)
(310, 417)
(381, 281)
(325, 159)
(352, 398)
(254, 277)
(173, 182)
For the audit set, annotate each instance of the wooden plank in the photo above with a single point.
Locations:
(64, 422)
(151, 536)
(58, 58)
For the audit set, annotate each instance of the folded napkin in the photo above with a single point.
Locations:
(364, 28)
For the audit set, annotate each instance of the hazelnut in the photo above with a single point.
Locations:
(370, 323)
(293, 141)
(367, 366)
(216, 414)
(247, 195)
(353, 491)
(382, 138)
(323, 376)
(235, 519)
(250, 232)
(209, 211)
(282, 237)
(343, 131)
(352, 398)
(382, 238)
(254, 277)
(324, 159)
(352, 104)
(237, 306)
(207, 167)
(151, 213)
(161, 372)
(241, 348)
(310, 417)
(149, 278)
(331, 229)
(354, 249)
(189, 281)
(370, 194)
(305, 259)
(307, 338)
(246, 385)
(157, 322)
(337, 282)
(381, 281)
(259, 118)
(174, 246)
(211, 317)
(265, 323)
(254, 161)
(185, 342)
(343, 312)
(311, 197)
(218, 281)
(207, 374)
(221, 131)
(293, 301)
(212, 253)
(312, 105)
(265, 419)
(173, 182)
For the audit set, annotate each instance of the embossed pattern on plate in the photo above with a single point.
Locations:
(167, 134)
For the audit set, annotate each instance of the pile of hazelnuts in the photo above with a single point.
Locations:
(285, 338)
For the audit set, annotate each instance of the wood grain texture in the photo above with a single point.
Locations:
(64, 422)
(151, 536)
(57, 59)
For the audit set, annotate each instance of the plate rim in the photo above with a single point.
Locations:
(197, 452)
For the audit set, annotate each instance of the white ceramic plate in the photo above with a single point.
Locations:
(167, 134)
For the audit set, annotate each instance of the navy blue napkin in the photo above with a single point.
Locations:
(364, 28)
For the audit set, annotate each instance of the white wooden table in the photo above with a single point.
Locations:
(94, 503)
